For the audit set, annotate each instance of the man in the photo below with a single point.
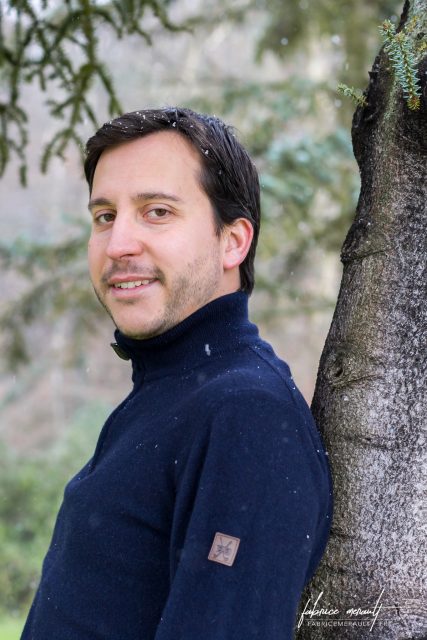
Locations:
(206, 506)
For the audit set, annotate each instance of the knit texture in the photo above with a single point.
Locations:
(214, 437)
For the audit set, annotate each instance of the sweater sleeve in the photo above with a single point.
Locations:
(250, 522)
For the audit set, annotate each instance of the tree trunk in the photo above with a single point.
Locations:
(370, 396)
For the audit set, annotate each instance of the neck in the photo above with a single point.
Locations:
(219, 326)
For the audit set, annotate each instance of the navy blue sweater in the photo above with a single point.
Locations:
(207, 504)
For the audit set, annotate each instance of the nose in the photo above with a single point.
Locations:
(124, 240)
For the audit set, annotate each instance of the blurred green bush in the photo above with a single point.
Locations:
(32, 487)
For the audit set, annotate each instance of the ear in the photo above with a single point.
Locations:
(237, 241)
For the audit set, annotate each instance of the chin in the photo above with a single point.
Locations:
(138, 332)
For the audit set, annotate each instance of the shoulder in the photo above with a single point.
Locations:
(252, 370)
(243, 409)
(253, 433)
(246, 404)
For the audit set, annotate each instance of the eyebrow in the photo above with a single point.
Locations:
(145, 195)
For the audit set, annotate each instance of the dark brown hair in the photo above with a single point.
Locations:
(229, 177)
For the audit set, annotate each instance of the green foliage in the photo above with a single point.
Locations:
(403, 58)
(336, 27)
(11, 628)
(355, 94)
(58, 282)
(295, 21)
(57, 46)
(31, 492)
(318, 166)
(28, 495)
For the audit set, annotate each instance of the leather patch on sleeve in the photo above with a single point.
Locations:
(224, 549)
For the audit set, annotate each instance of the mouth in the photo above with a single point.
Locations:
(132, 284)
(130, 288)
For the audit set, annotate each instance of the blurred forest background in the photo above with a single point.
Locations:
(270, 68)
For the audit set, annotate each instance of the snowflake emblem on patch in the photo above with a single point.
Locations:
(224, 549)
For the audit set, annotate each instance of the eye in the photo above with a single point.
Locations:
(104, 218)
(157, 213)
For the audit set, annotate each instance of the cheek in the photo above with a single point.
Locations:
(173, 250)
(95, 252)
(198, 241)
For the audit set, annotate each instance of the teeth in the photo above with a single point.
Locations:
(131, 285)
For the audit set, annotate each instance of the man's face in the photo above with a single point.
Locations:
(153, 222)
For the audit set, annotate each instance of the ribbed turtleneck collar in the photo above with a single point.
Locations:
(219, 326)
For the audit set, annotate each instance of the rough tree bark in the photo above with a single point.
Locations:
(370, 396)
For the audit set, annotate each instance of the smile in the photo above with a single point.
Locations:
(132, 284)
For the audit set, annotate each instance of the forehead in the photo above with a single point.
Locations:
(157, 157)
